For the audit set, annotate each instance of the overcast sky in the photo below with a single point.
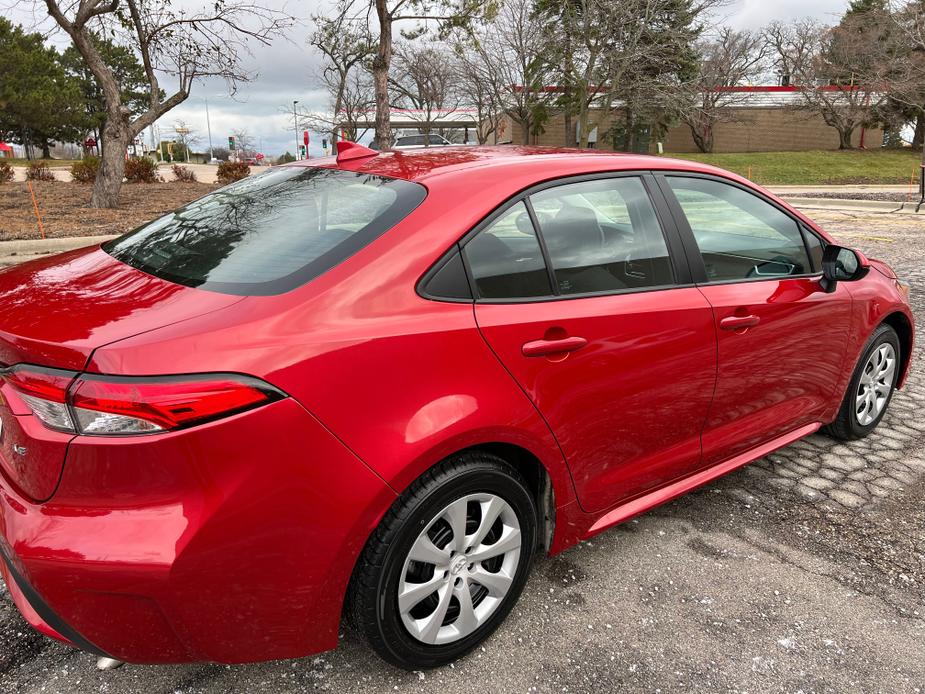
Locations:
(286, 71)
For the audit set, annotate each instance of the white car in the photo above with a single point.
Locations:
(420, 141)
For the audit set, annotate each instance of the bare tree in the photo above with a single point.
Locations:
(508, 55)
(347, 48)
(479, 91)
(183, 44)
(185, 136)
(243, 143)
(838, 71)
(732, 59)
(357, 101)
(425, 79)
(445, 14)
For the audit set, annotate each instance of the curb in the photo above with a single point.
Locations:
(56, 245)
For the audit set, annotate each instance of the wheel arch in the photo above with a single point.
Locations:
(900, 322)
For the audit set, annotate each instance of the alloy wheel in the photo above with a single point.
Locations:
(459, 569)
(875, 385)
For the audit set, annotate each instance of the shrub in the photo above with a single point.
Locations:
(6, 172)
(183, 174)
(231, 171)
(285, 158)
(84, 171)
(141, 170)
(39, 171)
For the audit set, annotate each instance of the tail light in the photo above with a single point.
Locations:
(122, 406)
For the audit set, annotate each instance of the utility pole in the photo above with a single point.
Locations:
(295, 122)
(209, 129)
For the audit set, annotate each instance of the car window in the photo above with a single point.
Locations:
(602, 235)
(436, 140)
(505, 258)
(740, 236)
(410, 140)
(269, 233)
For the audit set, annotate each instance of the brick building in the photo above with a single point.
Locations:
(766, 121)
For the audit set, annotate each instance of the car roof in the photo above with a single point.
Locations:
(425, 164)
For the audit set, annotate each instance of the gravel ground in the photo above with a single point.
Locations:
(834, 195)
(803, 572)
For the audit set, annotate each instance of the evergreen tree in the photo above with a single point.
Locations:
(39, 102)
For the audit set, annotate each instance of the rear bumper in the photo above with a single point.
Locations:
(232, 542)
(35, 610)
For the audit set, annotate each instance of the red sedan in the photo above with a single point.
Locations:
(380, 384)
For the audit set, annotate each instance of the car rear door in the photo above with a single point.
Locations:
(601, 327)
(781, 337)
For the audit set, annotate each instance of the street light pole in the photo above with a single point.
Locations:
(295, 121)
(209, 129)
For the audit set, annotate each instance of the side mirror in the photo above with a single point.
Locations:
(840, 264)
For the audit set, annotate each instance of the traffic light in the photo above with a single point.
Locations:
(231, 142)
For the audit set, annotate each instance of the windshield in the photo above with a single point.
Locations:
(269, 233)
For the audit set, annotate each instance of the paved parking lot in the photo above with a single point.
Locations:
(803, 572)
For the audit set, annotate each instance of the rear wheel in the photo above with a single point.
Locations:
(447, 563)
(871, 387)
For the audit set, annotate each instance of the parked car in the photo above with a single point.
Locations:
(420, 141)
(390, 380)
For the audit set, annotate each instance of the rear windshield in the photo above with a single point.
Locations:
(269, 233)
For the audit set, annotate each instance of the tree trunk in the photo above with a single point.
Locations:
(630, 142)
(583, 123)
(844, 138)
(46, 149)
(381, 64)
(115, 140)
(918, 138)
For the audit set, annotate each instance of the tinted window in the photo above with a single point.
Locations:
(410, 140)
(436, 140)
(740, 235)
(602, 236)
(505, 258)
(268, 233)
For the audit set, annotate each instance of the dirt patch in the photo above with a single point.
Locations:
(65, 208)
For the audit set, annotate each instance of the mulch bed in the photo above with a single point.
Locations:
(65, 208)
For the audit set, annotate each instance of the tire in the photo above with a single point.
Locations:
(856, 419)
(412, 633)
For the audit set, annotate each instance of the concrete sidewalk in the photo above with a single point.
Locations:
(13, 252)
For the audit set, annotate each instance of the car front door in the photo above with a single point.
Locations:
(590, 317)
(781, 337)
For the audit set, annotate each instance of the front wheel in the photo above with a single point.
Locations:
(871, 387)
(447, 563)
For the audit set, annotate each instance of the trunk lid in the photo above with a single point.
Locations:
(55, 312)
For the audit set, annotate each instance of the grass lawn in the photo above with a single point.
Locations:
(817, 168)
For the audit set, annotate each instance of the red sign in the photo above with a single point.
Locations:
(305, 138)
(90, 142)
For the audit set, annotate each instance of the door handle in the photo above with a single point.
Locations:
(542, 348)
(739, 322)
